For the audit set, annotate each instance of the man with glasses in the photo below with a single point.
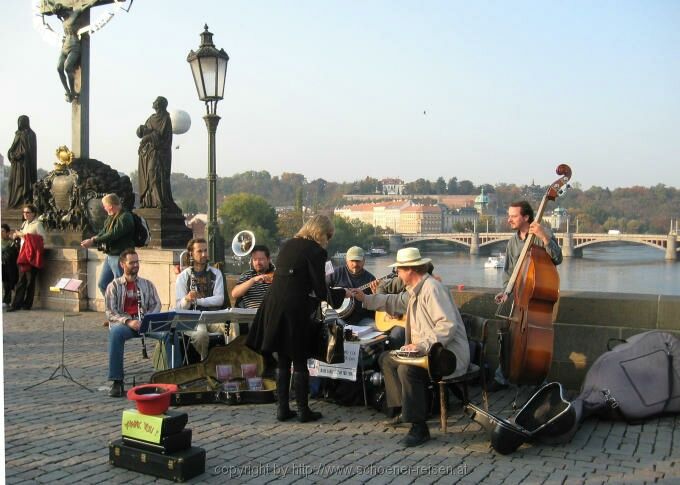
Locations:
(431, 318)
(128, 299)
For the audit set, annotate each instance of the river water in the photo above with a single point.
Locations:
(622, 269)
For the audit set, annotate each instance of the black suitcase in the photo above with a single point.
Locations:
(169, 444)
(178, 466)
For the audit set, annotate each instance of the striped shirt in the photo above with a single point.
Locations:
(254, 296)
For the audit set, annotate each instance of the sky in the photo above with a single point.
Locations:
(489, 91)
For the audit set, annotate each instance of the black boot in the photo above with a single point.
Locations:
(282, 390)
(417, 435)
(301, 396)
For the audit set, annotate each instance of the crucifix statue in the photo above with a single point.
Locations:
(74, 63)
(72, 20)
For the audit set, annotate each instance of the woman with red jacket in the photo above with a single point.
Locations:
(30, 261)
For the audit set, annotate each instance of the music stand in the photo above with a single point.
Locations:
(235, 316)
(63, 286)
(170, 322)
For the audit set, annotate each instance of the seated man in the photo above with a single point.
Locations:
(394, 285)
(199, 287)
(353, 275)
(128, 298)
(431, 317)
(254, 283)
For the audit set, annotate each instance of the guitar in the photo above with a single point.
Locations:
(385, 322)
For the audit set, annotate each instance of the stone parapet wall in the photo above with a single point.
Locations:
(584, 323)
(157, 265)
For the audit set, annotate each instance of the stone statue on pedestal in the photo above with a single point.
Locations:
(155, 159)
(24, 173)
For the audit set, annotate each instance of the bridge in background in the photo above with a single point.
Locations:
(572, 243)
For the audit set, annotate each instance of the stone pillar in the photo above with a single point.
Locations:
(672, 248)
(80, 109)
(396, 242)
(568, 245)
(168, 230)
(474, 244)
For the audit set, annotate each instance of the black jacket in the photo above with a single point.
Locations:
(283, 321)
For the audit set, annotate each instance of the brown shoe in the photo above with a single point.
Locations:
(116, 389)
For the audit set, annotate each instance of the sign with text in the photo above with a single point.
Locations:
(347, 370)
(142, 426)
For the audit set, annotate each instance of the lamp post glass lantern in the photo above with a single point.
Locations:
(209, 68)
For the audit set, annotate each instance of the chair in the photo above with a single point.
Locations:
(476, 330)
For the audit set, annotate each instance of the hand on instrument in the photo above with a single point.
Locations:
(539, 231)
(358, 295)
(134, 325)
(500, 297)
(259, 278)
(267, 278)
(374, 286)
(410, 348)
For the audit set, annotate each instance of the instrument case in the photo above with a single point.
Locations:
(198, 383)
(178, 466)
(168, 444)
(547, 414)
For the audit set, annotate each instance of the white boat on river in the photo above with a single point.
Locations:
(495, 262)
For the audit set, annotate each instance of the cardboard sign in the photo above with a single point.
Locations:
(347, 370)
(142, 426)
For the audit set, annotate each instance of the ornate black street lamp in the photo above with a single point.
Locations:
(209, 67)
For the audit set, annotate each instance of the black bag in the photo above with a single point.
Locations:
(142, 234)
(329, 344)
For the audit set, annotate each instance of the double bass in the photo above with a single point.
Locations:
(535, 288)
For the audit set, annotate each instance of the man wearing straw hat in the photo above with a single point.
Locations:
(433, 323)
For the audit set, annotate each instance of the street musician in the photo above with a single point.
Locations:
(199, 287)
(353, 275)
(254, 283)
(431, 318)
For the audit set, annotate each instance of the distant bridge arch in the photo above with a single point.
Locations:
(572, 243)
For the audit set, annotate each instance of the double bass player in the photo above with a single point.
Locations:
(521, 221)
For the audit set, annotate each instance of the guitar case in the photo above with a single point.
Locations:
(546, 415)
(198, 383)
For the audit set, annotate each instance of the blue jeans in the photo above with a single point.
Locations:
(118, 335)
(110, 269)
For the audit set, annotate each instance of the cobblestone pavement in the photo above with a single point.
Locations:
(59, 432)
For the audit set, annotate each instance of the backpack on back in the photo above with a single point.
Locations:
(142, 234)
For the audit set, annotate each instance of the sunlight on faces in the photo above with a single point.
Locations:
(405, 274)
(110, 208)
(130, 265)
(200, 253)
(515, 218)
(28, 215)
(259, 261)
(355, 267)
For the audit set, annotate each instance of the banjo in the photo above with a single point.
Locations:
(348, 304)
